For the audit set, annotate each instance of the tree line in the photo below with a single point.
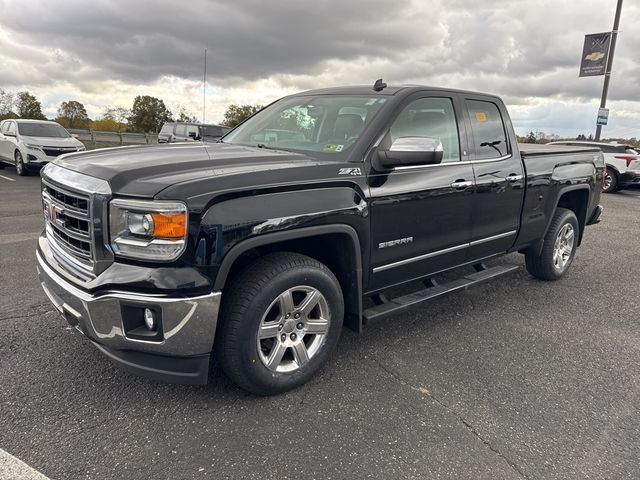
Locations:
(146, 115)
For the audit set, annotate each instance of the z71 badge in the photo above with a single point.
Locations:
(349, 171)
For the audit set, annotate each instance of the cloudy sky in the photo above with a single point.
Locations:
(105, 52)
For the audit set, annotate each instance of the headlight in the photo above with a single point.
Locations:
(31, 146)
(148, 230)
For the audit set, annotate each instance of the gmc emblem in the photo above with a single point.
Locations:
(53, 213)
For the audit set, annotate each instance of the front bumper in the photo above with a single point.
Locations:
(179, 354)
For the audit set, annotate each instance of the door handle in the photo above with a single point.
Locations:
(514, 178)
(461, 184)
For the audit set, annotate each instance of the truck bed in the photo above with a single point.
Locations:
(533, 149)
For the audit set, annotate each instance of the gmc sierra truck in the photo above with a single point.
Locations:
(258, 248)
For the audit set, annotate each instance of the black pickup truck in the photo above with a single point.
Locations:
(257, 249)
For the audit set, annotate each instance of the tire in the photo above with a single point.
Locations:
(611, 181)
(267, 297)
(21, 169)
(559, 249)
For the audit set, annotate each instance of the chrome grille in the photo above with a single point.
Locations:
(68, 223)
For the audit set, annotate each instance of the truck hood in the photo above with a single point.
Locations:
(51, 141)
(145, 171)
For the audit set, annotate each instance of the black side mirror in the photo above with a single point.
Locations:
(193, 135)
(409, 151)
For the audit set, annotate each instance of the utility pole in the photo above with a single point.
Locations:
(607, 73)
(204, 88)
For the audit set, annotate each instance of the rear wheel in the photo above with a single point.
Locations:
(280, 321)
(611, 181)
(20, 167)
(559, 248)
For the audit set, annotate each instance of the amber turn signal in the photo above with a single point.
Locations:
(169, 225)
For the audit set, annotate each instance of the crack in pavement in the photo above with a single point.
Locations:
(450, 410)
(31, 311)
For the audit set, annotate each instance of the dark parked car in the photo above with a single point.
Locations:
(172, 132)
(259, 248)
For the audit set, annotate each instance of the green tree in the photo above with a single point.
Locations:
(186, 116)
(72, 114)
(531, 138)
(6, 105)
(237, 114)
(148, 114)
(28, 106)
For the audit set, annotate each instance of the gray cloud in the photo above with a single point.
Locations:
(527, 52)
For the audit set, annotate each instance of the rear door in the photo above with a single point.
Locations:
(421, 215)
(499, 177)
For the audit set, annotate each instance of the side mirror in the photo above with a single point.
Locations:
(75, 135)
(409, 151)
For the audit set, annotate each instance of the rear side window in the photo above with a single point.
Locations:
(193, 129)
(430, 117)
(167, 128)
(488, 136)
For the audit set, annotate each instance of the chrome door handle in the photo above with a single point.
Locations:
(461, 185)
(514, 178)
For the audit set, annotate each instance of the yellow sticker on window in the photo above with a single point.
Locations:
(481, 116)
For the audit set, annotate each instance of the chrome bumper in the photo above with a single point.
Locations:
(187, 328)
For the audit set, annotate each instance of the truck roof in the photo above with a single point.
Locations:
(387, 91)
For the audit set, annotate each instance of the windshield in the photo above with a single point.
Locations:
(327, 123)
(212, 131)
(51, 130)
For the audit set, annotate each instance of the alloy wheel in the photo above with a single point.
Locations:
(293, 329)
(563, 247)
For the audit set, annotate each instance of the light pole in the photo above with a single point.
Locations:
(607, 73)
(204, 88)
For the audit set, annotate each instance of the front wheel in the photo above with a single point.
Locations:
(280, 321)
(560, 244)
(20, 167)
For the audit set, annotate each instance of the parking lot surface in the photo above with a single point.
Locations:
(514, 379)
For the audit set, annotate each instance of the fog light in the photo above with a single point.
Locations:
(149, 319)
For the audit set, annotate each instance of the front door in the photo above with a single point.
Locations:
(421, 215)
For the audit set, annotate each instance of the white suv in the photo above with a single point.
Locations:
(30, 144)
(623, 163)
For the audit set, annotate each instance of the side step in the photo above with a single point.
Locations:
(385, 307)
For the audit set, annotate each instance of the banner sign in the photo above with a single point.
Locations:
(603, 116)
(594, 54)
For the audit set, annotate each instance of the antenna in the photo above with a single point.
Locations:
(379, 85)
(204, 88)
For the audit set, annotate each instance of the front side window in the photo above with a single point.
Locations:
(328, 124)
(489, 139)
(430, 117)
(11, 128)
(181, 130)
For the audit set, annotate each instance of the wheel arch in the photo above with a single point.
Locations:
(337, 246)
(572, 197)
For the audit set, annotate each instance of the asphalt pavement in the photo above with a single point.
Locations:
(514, 379)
